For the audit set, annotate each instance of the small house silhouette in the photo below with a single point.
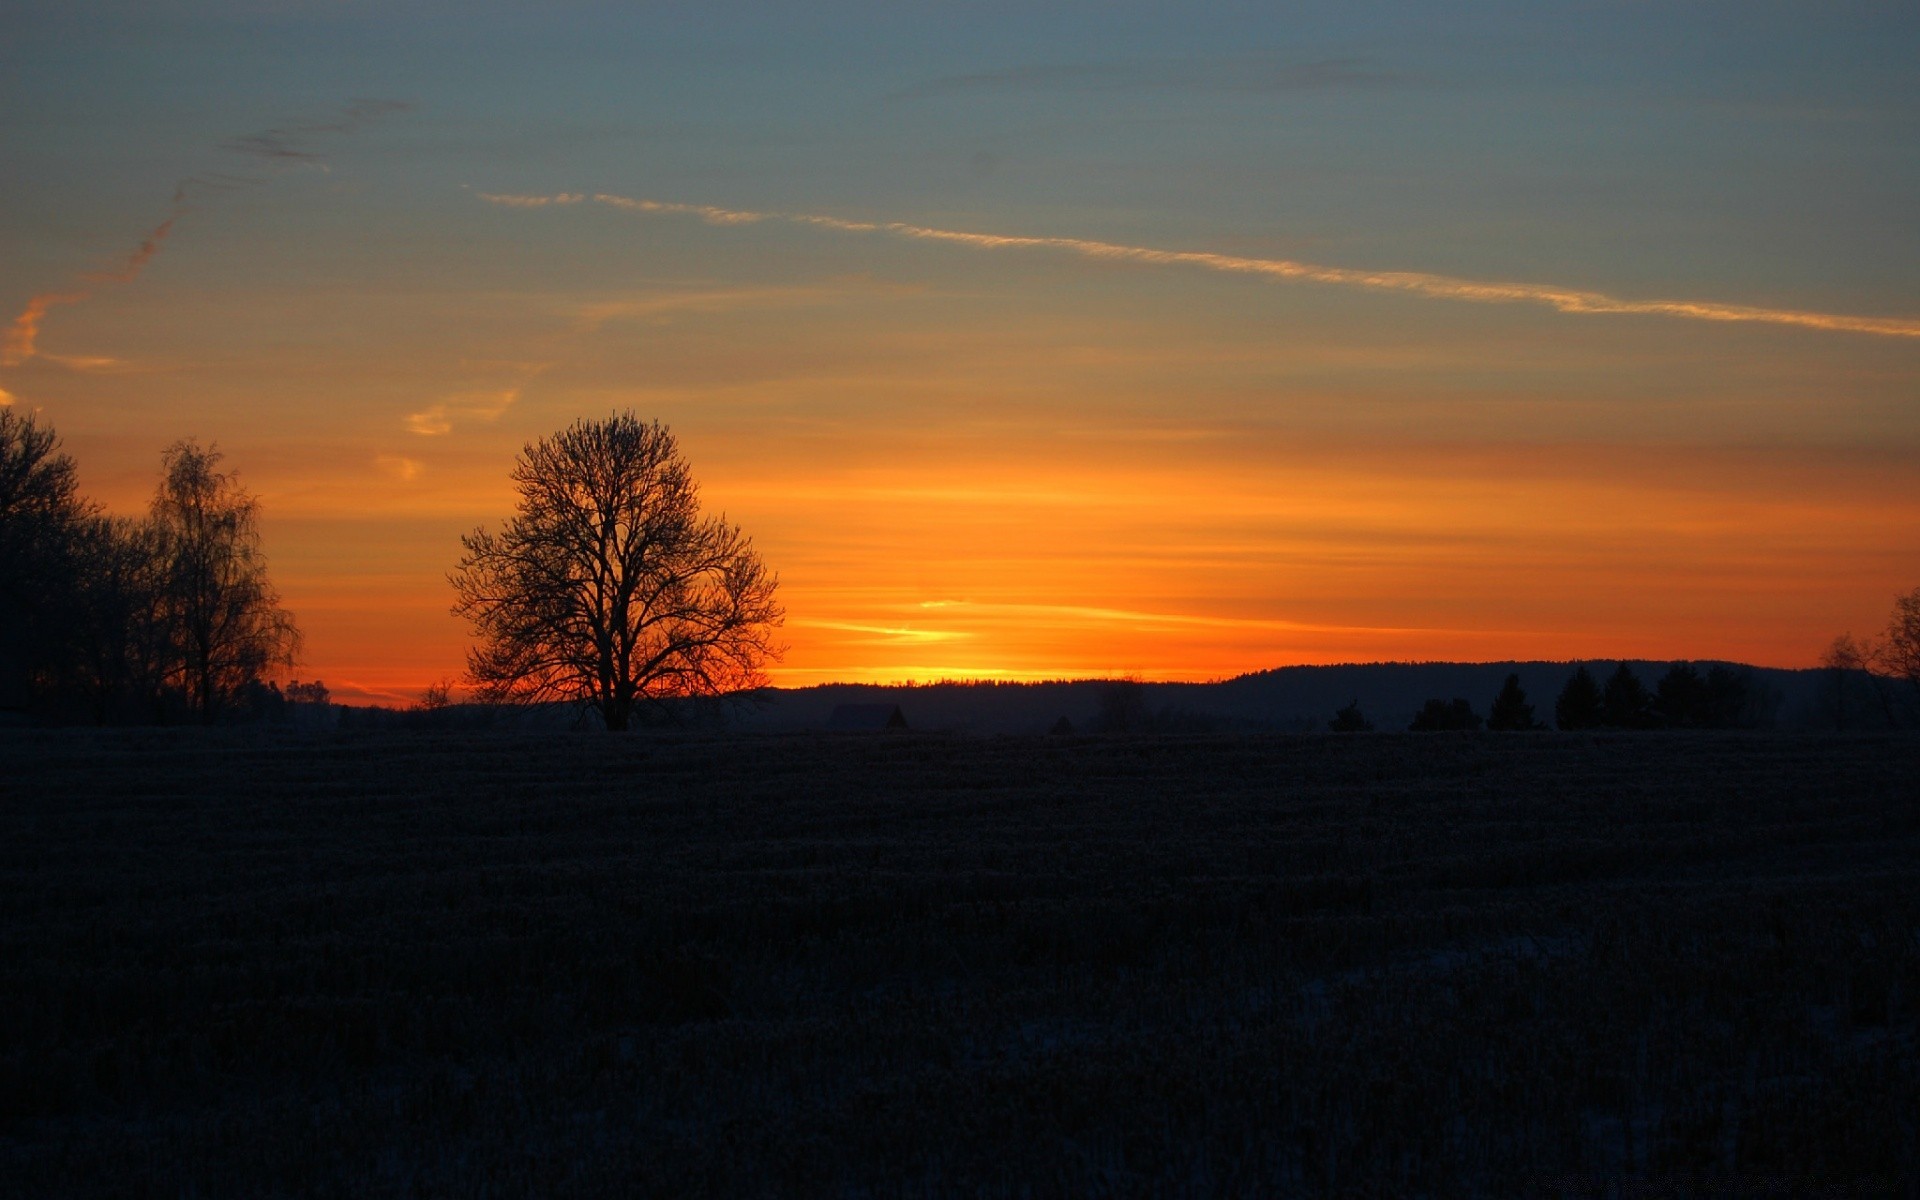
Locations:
(867, 718)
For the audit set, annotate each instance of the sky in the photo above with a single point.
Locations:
(1024, 341)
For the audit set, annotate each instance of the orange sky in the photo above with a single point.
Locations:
(1413, 362)
(980, 481)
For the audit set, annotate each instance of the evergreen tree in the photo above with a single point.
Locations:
(1510, 709)
(1728, 697)
(1624, 702)
(1579, 704)
(1681, 699)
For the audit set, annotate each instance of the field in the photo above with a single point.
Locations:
(243, 964)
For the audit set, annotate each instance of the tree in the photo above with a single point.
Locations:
(315, 693)
(437, 696)
(1350, 720)
(1438, 716)
(1681, 699)
(124, 648)
(1624, 702)
(1579, 705)
(1732, 699)
(1510, 709)
(41, 514)
(225, 619)
(1898, 652)
(1123, 708)
(608, 588)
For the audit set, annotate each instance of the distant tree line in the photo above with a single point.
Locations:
(1721, 697)
(162, 618)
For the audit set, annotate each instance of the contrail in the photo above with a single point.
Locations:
(269, 146)
(1417, 283)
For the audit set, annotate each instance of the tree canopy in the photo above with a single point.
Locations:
(1579, 706)
(1510, 709)
(608, 588)
(115, 618)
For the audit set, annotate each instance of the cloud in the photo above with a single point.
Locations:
(1246, 75)
(99, 364)
(136, 262)
(431, 422)
(531, 201)
(287, 143)
(397, 466)
(1127, 616)
(271, 145)
(6, 398)
(481, 406)
(596, 315)
(24, 333)
(887, 635)
(1414, 283)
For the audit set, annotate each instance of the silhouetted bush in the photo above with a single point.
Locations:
(1350, 720)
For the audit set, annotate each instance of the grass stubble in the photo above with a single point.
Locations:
(235, 964)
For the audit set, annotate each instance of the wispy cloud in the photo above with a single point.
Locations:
(130, 269)
(504, 201)
(1415, 283)
(290, 142)
(439, 419)
(887, 634)
(101, 364)
(24, 334)
(1077, 612)
(277, 145)
(595, 315)
(398, 466)
(6, 398)
(1246, 74)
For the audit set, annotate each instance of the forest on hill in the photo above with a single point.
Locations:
(1306, 699)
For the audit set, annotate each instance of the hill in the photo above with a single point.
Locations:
(1285, 699)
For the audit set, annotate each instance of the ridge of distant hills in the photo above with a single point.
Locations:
(1283, 699)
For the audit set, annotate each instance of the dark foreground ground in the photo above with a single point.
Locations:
(407, 964)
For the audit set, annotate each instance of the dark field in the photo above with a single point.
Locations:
(408, 964)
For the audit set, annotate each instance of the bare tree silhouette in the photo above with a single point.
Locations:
(1899, 650)
(40, 512)
(227, 624)
(608, 588)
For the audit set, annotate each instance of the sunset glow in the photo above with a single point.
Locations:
(1019, 353)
